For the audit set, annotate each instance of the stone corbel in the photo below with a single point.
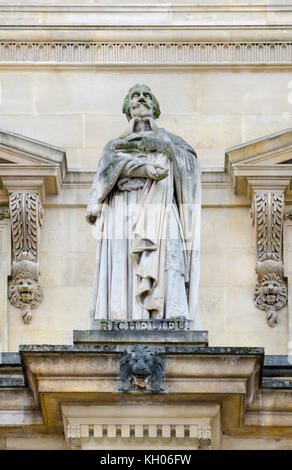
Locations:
(268, 214)
(26, 213)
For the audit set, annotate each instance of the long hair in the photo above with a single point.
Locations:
(126, 104)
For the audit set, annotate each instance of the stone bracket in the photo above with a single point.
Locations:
(270, 292)
(26, 214)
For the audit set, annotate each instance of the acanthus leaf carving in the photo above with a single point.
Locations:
(25, 291)
(270, 292)
(4, 213)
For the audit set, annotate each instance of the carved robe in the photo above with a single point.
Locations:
(148, 234)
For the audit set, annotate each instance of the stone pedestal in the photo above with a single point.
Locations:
(127, 337)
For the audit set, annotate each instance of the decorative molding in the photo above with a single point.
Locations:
(160, 426)
(288, 214)
(26, 215)
(73, 431)
(4, 213)
(145, 53)
(270, 292)
(204, 431)
(269, 218)
(198, 435)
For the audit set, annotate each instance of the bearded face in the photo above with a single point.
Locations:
(141, 104)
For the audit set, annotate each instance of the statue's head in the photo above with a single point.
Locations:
(140, 102)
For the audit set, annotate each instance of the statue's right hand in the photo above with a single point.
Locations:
(93, 214)
(96, 211)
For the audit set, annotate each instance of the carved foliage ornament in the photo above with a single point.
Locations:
(4, 213)
(269, 219)
(270, 292)
(141, 368)
(26, 215)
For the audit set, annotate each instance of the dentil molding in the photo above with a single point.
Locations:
(157, 53)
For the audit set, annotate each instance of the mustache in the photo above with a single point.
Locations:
(136, 105)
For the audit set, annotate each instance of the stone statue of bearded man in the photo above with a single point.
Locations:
(145, 203)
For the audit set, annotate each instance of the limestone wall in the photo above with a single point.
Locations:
(235, 87)
(213, 110)
(80, 110)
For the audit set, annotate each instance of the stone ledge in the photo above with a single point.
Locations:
(282, 384)
(161, 337)
(277, 361)
(9, 359)
(8, 382)
(116, 348)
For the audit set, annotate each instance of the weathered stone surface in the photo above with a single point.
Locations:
(11, 382)
(198, 338)
(175, 324)
(279, 384)
(142, 368)
(60, 81)
(9, 359)
(91, 372)
(142, 427)
(150, 268)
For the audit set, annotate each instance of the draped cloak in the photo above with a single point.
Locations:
(160, 207)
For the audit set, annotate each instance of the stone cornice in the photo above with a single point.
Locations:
(165, 12)
(261, 164)
(143, 35)
(158, 22)
(87, 370)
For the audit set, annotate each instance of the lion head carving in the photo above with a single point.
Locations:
(141, 368)
(25, 292)
(271, 295)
